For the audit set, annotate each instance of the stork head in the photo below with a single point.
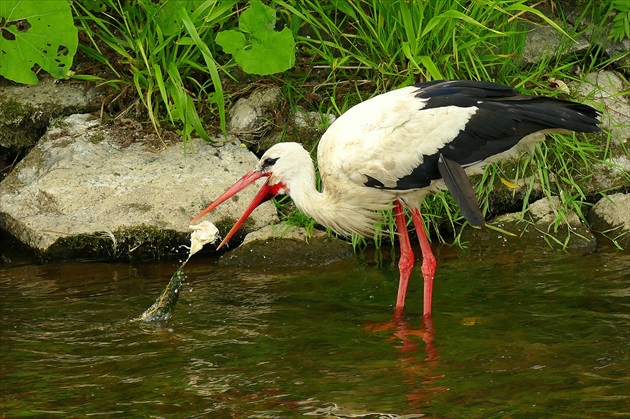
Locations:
(280, 164)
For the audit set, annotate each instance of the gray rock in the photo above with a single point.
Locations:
(536, 228)
(611, 217)
(283, 246)
(604, 87)
(80, 192)
(614, 48)
(597, 31)
(282, 231)
(26, 111)
(303, 127)
(544, 41)
(250, 117)
(543, 213)
(610, 175)
(310, 120)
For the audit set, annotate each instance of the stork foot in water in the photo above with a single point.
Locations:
(399, 146)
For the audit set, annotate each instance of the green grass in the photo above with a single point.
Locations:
(396, 43)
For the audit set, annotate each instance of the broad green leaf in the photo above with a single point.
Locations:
(36, 33)
(231, 41)
(257, 17)
(258, 48)
(271, 52)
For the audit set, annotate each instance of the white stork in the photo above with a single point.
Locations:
(399, 146)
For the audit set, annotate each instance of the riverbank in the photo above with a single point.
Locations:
(81, 183)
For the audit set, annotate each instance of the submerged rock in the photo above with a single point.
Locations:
(611, 217)
(79, 192)
(280, 246)
(537, 227)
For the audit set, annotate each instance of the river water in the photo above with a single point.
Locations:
(515, 334)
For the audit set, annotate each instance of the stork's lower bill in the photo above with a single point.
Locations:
(392, 150)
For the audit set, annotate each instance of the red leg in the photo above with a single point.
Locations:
(405, 264)
(428, 261)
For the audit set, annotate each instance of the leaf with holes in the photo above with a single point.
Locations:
(256, 46)
(36, 33)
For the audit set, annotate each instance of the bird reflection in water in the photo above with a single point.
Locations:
(418, 364)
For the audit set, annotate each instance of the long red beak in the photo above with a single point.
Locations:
(250, 177)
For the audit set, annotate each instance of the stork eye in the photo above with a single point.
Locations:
(269, 161)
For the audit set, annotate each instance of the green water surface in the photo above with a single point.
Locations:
(524, 334)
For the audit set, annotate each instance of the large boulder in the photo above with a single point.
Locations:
(85, 191)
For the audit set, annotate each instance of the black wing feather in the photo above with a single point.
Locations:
(503, 118)
(462, 190)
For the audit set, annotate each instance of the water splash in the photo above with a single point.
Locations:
(203, 233)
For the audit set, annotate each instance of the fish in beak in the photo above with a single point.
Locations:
(264, 194)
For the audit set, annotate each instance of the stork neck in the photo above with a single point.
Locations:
(344, 216)
(303, 191)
